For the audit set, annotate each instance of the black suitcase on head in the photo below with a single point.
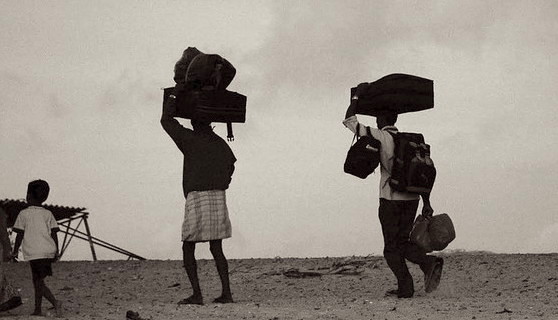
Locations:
(212, 106)
(399, 93)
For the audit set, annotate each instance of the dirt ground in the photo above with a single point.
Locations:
(474, 286)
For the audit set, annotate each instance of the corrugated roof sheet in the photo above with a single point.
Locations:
(13, 207)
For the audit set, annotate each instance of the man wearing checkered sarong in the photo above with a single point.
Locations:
(208, 168)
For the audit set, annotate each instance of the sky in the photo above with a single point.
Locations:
(80, 92)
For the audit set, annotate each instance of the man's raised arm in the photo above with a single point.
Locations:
(174, 129)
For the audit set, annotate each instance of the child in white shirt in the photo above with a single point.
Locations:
(36, 230)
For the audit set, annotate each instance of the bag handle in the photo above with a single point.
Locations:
(357, 131)
(356, 134)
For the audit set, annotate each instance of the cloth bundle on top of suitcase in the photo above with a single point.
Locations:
(201, 82)
(399, 93)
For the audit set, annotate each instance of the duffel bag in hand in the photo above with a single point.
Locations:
(434, 233)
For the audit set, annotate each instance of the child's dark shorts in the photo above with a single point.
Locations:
(41, 268)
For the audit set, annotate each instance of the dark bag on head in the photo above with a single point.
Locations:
(182, 64)
(200, 91)
(413, 170)
(209, 71)
(398, 93)
(434, 233)
(363, 156)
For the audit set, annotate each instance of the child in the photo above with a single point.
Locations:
(36, 229)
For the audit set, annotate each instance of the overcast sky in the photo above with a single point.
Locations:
(80, 105)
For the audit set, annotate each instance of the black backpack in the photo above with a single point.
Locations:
(363, 156)
(413, 170)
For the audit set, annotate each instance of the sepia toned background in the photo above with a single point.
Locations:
(80, 104)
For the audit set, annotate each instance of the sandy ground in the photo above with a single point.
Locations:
(474, 286)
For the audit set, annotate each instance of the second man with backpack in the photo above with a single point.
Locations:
(397, 209)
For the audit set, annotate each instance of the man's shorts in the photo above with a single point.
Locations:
(41, 268)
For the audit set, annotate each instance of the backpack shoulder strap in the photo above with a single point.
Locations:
(393, 134)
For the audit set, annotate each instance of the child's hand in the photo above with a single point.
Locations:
(13, 258)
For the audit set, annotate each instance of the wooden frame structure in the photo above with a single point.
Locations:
(65, 217)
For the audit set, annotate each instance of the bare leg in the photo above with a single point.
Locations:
(47, 294)
(223, 269)
(50, 297)
(38, 286)
(188, 251)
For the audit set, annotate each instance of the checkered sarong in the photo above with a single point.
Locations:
(206, 216)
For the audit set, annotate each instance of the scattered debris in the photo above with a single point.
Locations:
(132, 315)
(351, 266)
(274, 272)
(348, 270)
(296, 273)
(504, 311)
(346, 266)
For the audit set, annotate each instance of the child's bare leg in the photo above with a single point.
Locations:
(223, 269)
(50, 297)
(38, 286)
(47, 294)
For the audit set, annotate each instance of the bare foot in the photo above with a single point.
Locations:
(224, 299)
(38, 313)
(192, 300)
(58, 309)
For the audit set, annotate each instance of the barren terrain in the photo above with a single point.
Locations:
(474, 286)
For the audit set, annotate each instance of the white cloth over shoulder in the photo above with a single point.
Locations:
(386, 158)
(37, 223)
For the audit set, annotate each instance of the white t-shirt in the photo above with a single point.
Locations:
(386, 158)
(37, 224)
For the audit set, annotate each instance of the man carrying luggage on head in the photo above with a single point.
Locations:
(397, 209)
(208, 168)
